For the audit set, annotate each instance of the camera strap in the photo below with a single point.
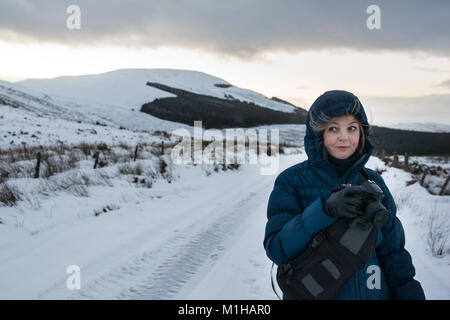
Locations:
(363, 176)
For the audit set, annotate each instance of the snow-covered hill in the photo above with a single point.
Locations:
(20, 127)
(33, 118)
(127, 88)
(69, 108)
(95, 108)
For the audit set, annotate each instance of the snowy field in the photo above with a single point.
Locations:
(199, 237)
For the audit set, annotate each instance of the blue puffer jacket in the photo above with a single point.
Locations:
(295, 212)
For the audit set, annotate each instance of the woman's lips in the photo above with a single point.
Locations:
(343, 148)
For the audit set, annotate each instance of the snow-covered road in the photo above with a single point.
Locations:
(158, 243)
(205, 224)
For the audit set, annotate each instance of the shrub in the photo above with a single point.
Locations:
(3, 175)
(86, 148)
(102, 147)
(438, 231)
(127, 168)
(124, 145)
(54, 165)
(9, 194)
(162, 166)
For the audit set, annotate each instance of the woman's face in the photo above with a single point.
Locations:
(341, 136)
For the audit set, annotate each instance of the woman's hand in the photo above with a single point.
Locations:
(344, 202)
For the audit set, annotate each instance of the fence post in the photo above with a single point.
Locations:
(406, 166)
(38, 166)
(96, 156)
(395, 160)
(444, 186)
(136, 152)
(423, 176)
(383, 154)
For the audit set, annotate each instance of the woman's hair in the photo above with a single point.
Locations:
(320, 122)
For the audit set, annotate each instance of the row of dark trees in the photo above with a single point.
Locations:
(215, 112)
(411, 142)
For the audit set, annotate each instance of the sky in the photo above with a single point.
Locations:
(395, 56)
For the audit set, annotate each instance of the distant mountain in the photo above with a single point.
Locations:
(421, 126)
(127, 88)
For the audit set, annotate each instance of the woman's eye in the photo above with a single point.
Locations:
(352, 128)
(332, 129)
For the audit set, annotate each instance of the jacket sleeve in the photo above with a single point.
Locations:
(289, 227)
(395, 260)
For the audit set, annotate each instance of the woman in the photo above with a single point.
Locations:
(302, 202)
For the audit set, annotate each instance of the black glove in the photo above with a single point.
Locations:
(344, 202)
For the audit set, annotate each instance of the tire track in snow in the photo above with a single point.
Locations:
(164, 272)
(203, 248)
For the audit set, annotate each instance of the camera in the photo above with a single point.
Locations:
(374, 210)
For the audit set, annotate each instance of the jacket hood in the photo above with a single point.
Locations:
(329, 105)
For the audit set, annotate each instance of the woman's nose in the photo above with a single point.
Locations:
(343, 136)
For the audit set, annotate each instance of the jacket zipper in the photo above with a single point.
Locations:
(356, 164)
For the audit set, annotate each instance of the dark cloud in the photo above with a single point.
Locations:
(236, 27)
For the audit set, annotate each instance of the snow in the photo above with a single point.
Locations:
(415, 209)
(199, 237)
(40, 110)
(18, 127)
